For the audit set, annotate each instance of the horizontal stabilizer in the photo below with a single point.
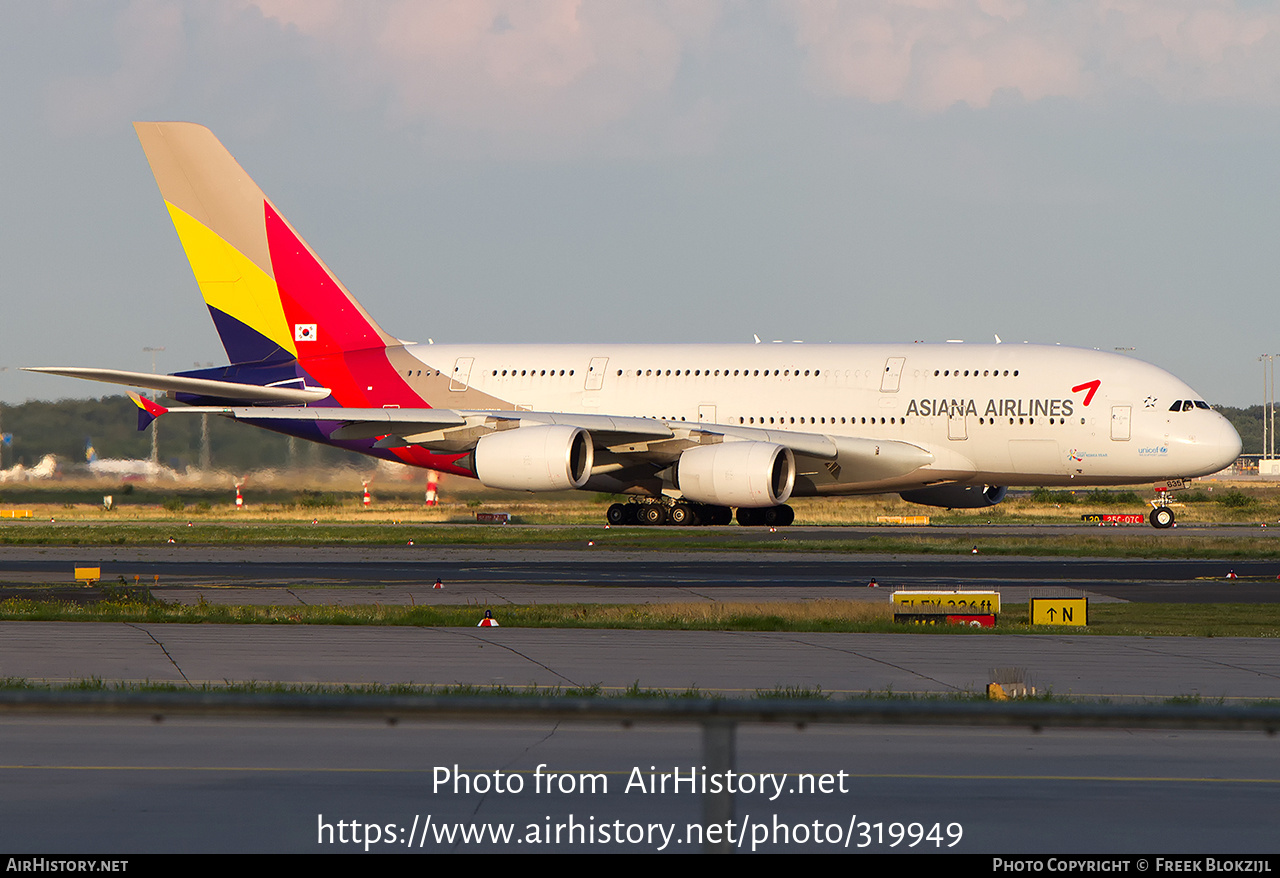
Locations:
(148, 410)
(196, 386)
(380, 421)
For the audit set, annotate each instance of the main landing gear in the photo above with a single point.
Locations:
(683, 512)
(769, 516)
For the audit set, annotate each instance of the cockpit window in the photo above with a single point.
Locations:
(1176, 407)
(1201, 404)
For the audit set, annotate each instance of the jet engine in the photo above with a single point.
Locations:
(544, 458)
(750, 474)
(957, 496)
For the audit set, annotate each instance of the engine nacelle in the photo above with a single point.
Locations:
(550, 458)
(957, 496)
(750, 474)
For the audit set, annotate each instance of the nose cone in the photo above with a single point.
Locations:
(1217, 445)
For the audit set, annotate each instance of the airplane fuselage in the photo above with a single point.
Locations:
(1000, 414)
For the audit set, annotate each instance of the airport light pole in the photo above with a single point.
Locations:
(1268, 362)
(155, 434)
(1264, 410)
(206, 456)
(2, 442)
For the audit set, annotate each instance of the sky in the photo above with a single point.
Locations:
(1097, 173)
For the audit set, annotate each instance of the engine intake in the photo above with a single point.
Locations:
(549, 458)
(750, 474)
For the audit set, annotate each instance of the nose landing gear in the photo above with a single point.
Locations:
(1161, 515)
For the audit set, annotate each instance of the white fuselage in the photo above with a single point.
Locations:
(999, 414)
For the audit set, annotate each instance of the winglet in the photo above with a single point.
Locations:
(148, 411)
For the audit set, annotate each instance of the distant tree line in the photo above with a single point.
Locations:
(110, 425)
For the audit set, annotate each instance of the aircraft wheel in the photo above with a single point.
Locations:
(617, 514)
(654, 514)
(680, 514)
(772, 516)
(748, 517)
(788, 515)
(720, 515)
(1161, 517)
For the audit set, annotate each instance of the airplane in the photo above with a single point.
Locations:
(690, 431)
(122, 468)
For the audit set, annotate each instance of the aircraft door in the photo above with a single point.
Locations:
(892, 374)
(461, 376)
(957, 426)
(1120, 415)
(595, 373)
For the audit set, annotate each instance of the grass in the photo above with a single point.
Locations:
(465, 690)
(593, 691)
(1140, 542)
(284, 499)
(335, 517)
(634, 691)
(829, 615)
(1188, 620)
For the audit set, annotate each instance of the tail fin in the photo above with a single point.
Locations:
(271, 298)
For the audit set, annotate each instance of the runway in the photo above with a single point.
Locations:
(522, 574)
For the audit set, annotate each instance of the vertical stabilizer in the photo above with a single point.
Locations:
(270, 296)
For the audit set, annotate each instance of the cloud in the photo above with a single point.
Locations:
(506, 66)
(932, 54)
(569, 75)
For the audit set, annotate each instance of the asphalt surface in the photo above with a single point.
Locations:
(593, 574)
(125, 786)
(735, 663)
(119, 787)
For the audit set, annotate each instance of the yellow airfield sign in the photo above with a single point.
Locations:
(1060, 611)
(952, 602)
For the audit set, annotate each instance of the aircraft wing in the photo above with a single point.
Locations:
(198, 386)
(435, 428)
(836, 458)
